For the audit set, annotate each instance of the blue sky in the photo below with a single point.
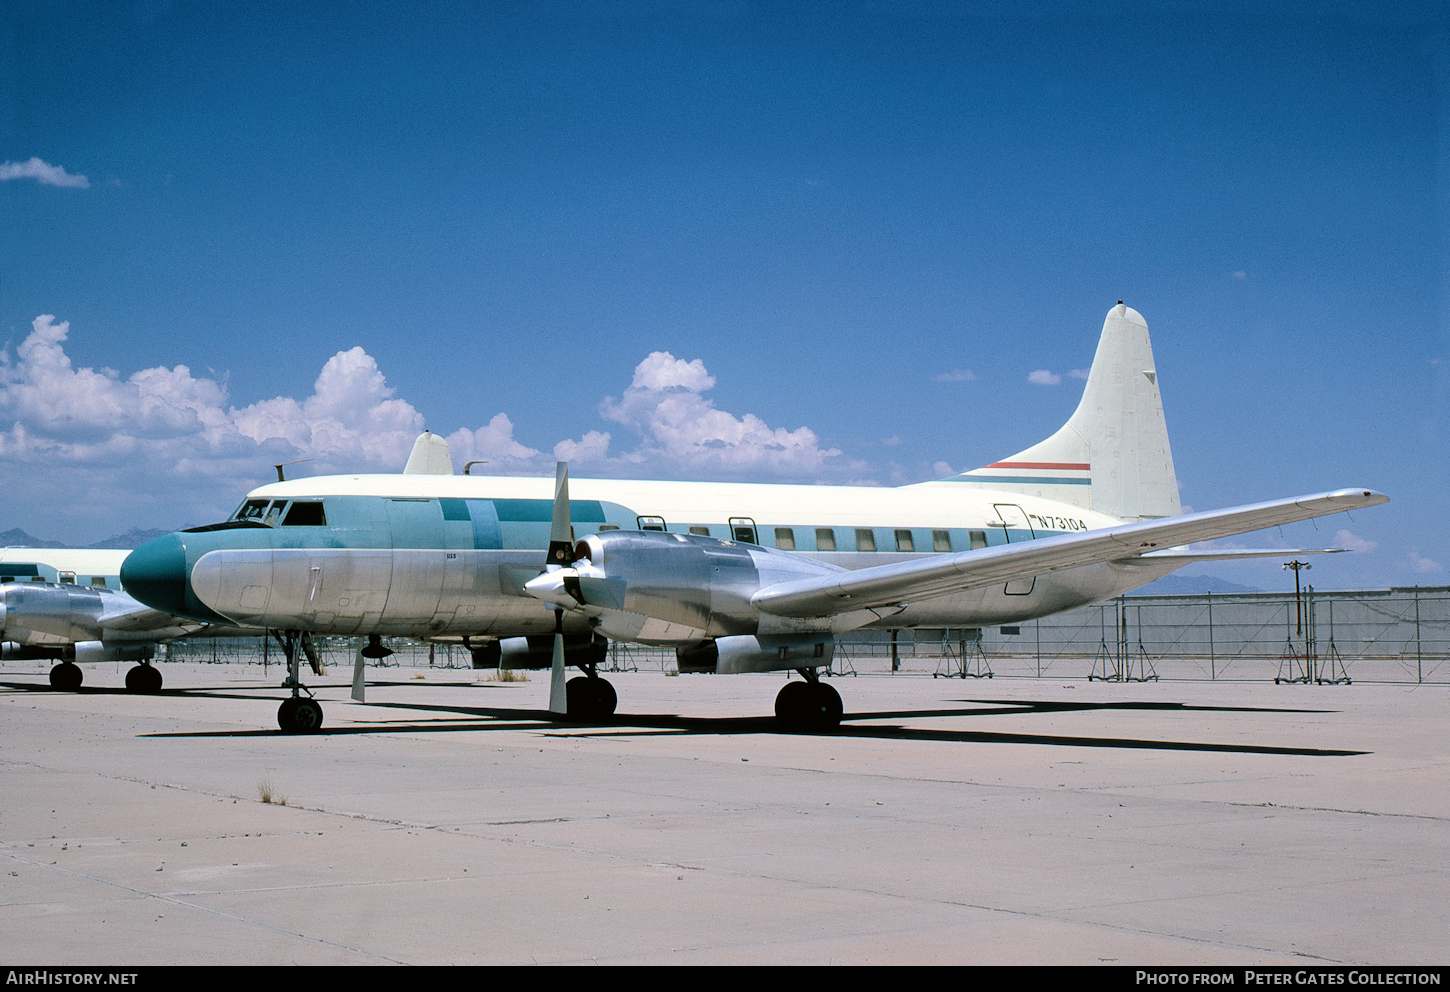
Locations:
(275, 233)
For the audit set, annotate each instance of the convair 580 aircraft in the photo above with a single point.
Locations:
(751, 577)
(67, 604)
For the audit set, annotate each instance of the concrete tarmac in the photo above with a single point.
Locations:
(1051, 821)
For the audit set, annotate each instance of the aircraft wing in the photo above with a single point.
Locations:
(124, 613)
(887, 585)
(1185, 556)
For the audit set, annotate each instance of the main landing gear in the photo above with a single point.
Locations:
(808, 705)
(298, 715)
(66, 676)
(590, 697)
(144, 678)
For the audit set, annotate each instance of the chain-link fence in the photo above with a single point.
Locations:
(1392, 635)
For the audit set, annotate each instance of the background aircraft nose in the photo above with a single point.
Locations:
(155, 574)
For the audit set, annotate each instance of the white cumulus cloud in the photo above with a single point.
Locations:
(43, 173)
(680, 431)
(1042, 377)
(1353, 542)
(1422, 564)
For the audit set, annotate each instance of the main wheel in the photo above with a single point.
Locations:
(143, 678)
(590, 698)
(66, 676)
(792, 704)
(299, 716)
(824, 708)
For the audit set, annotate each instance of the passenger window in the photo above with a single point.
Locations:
(978, 538)
(99, 582)
(305, 514)
(903, 541)
(652, 523)
(865, 539)
(700, 531)
(785, 538)
(825, 539)
(605, 527)
(941, 540)
(67, 578)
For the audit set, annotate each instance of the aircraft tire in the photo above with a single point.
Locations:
(808, 706)
(825, 708)
(299, 716)
(66, 676)
(144, 679)
(792, 704)
(590, 698)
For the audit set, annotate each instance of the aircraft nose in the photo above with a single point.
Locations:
(155, 574)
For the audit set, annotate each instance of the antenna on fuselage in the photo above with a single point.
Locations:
(279, 468)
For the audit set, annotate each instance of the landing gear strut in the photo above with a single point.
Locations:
(808, 705)
(298, 715)
(144, 678)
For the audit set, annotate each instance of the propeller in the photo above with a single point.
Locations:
(560, 556)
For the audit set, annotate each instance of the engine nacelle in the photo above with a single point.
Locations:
(537, 651)
(13, 651)
(681, 589)
(42, 615)
(93, 651)
(752, 653)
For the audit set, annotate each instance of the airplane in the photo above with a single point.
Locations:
(68, 604)
(738, 578)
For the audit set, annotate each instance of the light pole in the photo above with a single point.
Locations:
(1298, 605)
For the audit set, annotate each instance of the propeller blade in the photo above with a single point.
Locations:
(561, 555)
(561, 536)
(359, 684)
(558, 699)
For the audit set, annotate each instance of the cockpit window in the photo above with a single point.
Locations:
(252, 509)
(263, 511)
(305, 514)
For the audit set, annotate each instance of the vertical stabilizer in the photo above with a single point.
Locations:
(430, 456)
(1112, 455)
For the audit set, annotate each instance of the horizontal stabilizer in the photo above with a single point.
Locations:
(899, 582)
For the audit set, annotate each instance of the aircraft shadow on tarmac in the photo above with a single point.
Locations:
(472, 719)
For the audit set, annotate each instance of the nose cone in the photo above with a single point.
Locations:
(155, 574)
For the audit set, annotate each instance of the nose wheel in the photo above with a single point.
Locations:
(299, 716)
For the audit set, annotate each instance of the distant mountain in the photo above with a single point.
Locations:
(133, 538)
(17, 538)
(1190, 585)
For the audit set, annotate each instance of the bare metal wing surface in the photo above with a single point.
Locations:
(884, 585)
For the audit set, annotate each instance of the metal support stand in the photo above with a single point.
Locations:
(967, 662)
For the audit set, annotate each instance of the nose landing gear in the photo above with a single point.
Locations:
(298, 715)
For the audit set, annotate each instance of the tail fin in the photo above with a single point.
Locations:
(1112, 455)
(430, 456)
